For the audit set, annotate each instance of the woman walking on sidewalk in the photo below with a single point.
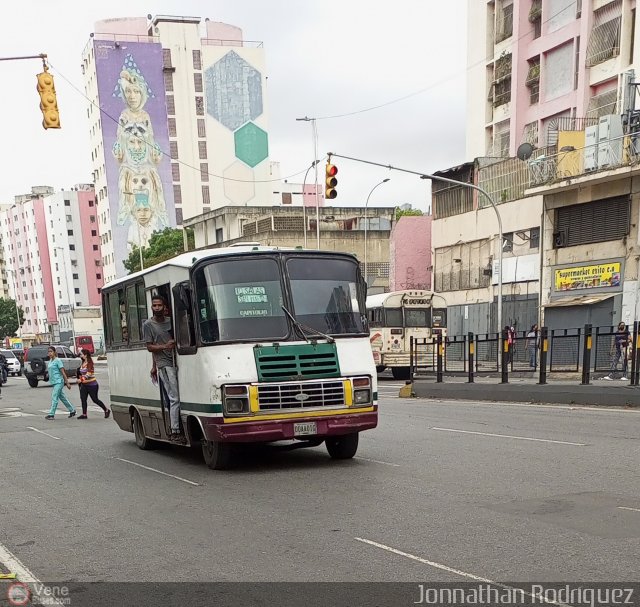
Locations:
(89, 384)
(58, 379)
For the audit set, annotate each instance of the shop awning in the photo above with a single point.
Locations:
(579, 300)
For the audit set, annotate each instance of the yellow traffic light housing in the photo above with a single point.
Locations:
(331, 181)
(48, 100)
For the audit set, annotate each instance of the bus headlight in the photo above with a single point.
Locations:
(361, 397)
(236, 400)
(361, 390)
(236, 405)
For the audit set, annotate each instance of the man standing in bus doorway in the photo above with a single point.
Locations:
(158, 336)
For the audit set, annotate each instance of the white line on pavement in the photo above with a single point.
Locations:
(184, 480)
(45, 433)
(13, 564)
(377, 461)
(627, 508)
(442, 567)
(538, 440)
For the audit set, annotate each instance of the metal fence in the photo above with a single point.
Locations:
(565, 352)
(565, 349)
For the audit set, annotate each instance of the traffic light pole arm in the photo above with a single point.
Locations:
(460, 183)
(42, 56)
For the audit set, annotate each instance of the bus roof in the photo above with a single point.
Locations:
(394, 299)
(186, 260)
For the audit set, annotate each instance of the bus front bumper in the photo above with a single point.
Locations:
(255, 431)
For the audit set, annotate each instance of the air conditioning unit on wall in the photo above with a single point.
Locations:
(560, 239)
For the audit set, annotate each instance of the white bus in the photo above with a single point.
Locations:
(396, 317)
(271, 345)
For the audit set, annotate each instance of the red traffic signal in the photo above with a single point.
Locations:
(331, 181)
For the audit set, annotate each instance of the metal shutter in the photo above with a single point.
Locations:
(596, 221)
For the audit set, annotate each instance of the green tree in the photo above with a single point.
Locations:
(408, 212)
(8, 318)
(162, 246)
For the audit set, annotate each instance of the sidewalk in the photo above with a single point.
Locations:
(527, 390)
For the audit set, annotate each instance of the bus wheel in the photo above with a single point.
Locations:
(142, 441)
(401, 372)
(342, 447)
(217, 455)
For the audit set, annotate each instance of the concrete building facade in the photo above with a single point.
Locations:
(340, 229)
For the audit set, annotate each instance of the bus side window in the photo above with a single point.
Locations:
(132, 314)
(184, 328)
(115, 323)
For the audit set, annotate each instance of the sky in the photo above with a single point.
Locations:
(323, 59)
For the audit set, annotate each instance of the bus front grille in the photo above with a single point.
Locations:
(274, 397)
(286, 363)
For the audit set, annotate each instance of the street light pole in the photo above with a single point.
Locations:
(304, 210)
(71, 306)
(366, 222)
(460, 183)
(15, 299)
(314, 130)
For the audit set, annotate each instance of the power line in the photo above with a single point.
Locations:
(163, 152)
(434, 84)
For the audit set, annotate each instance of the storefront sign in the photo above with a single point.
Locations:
(588, 277)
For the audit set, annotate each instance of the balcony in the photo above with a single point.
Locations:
(587, 150)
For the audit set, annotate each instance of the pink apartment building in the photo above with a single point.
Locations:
(52, 255)
(559, 77)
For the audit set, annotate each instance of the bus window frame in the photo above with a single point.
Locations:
(286, 295)
(123, 288)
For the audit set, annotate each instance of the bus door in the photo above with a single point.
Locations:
(163, 291)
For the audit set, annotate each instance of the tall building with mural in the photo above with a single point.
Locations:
(178, 126)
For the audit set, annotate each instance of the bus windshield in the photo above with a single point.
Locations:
(325, 294)
(240, 300)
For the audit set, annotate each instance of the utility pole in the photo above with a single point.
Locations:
(71, 305)
(314, 130)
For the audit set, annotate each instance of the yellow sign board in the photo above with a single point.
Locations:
(588, 277)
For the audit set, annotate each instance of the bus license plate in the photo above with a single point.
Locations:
(305, 428)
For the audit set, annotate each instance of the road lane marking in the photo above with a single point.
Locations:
(45, 433)
(459, 572)
(538, 440)
(627, 508)
(13, 564)
(184, 480)
(377, 461)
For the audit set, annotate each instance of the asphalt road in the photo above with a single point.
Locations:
(441, 491)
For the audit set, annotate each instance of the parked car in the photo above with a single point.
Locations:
(15, 368)
(35, 364)
(19, 352)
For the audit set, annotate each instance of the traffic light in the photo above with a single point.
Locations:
(331, 182)
(48, 101)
